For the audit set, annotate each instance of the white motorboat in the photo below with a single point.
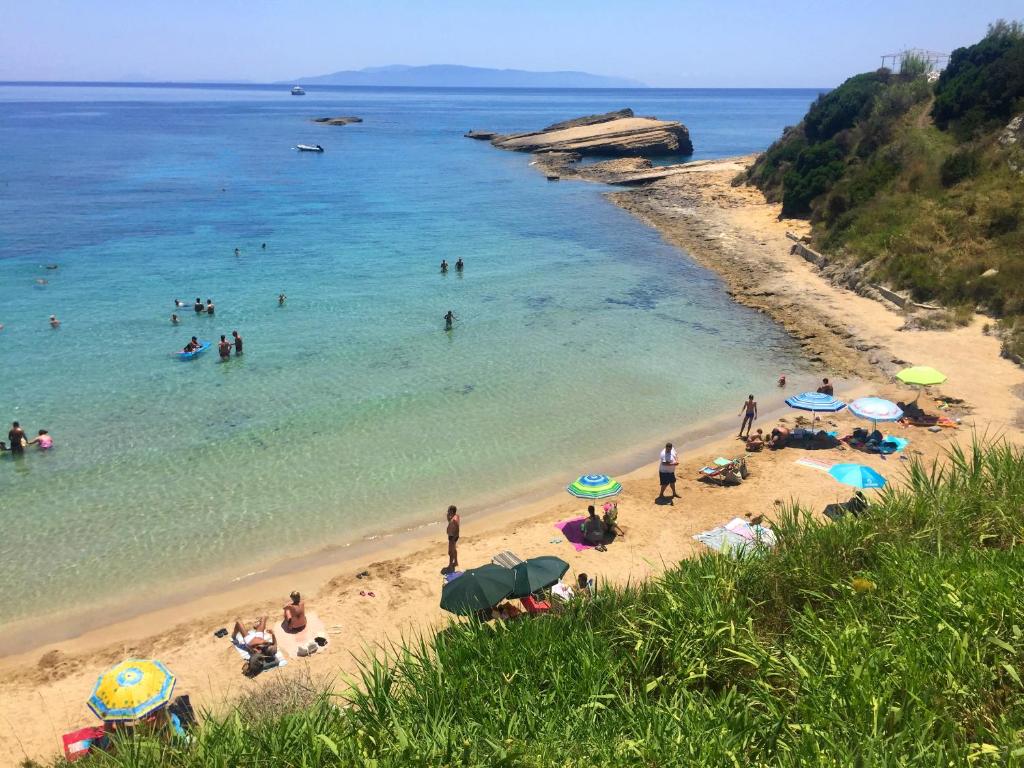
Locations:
(298, 91)
(309, 148)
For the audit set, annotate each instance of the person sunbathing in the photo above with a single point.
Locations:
(778, 438)
(755, 442)
(258, 639)
(294, 614)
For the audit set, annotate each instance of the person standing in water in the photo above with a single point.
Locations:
(16, 439)
(444, 266)
(198, 306)
(174, 320)
(448, 320)
(453, 539)
(54, 322)
(280, 299)
(210, 309)
(224, 347)
(238, 343)
(459, 265)
(749, 411)
(237, 252)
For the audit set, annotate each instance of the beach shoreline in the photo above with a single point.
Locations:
(732, 231)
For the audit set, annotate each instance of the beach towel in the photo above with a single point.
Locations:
(823, 466)
(736, 536)
(244, 653)
(900, 442)
(78, 743)
(573, 532)
(506, 559)
(290, 642)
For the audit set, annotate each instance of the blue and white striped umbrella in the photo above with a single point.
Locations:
(594, 487)
(815, 401)
(875, 409)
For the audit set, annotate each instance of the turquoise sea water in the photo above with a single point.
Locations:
(580, 332)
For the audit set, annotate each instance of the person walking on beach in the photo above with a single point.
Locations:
(16, 439)
(749, 411)
(238, 343)
(448, 320)
(224, 347)
(826, 388)
(453, 539)
(669, 460)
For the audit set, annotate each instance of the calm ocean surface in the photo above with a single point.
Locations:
(579, 333)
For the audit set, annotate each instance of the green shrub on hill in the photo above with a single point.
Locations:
(894, 638)
(925, 205)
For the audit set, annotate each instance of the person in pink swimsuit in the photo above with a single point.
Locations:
(43, 440)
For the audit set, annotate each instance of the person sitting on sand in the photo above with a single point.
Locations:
(43, 440)
(593, 529)
(611, 520)
(259, 638)
(294, 614)
(778, 439)
(755, 442)
(584, 586)
(826, 388)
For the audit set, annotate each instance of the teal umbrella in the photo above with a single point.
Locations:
(476, 589)
(537, 573)
(857, 475)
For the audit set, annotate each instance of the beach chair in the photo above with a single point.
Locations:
(725, 471)
(78, 743)
(506, 559)
(534, 606)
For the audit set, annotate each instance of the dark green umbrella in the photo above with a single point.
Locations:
(537, 573)
(476, 589)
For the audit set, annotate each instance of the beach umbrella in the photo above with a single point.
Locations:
(131, 690)
(537, 573)
(594, 487)
(921, 376)
(476, 589)
(816, 402)
(875, 409)
(857, 475)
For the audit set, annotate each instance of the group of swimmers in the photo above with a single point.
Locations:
(223, 347)
(209, 308)
(449, 318)
(17, 440)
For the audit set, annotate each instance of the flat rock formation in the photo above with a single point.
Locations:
(337, 120)
(613, 134)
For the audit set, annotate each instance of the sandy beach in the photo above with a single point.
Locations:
(731, 230)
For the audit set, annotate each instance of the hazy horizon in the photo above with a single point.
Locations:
(664, 44)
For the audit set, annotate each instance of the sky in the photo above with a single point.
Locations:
(663, 43)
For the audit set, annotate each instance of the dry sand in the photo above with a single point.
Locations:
(42, 693)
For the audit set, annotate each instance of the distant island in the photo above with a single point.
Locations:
(455, 76)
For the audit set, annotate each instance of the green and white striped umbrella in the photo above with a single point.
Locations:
(594, 487)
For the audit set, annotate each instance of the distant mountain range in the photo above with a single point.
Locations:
(455, 76)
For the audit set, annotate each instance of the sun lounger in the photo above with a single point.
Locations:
(724, 471)
(506, 559)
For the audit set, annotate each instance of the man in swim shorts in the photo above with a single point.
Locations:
(198, 306)
(448, 320)
(238, 343)
(668, 461)
(749, 411)
(224, 347)
(453, 539)
(16, 439)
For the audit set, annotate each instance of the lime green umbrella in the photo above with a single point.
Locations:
(921, 375)
(537, 573)
(476, 589)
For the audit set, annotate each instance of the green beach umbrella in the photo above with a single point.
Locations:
(537, 573)
(921, 375)
(594, 487)
(476, 589)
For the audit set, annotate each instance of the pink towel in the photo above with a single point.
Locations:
(573, 531)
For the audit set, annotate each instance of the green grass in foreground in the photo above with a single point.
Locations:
(893, 639)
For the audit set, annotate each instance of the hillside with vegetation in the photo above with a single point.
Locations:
(918, 182)
(891, 638)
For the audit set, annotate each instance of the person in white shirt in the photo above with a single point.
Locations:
(667, 470)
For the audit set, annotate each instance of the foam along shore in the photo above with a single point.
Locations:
(730, 229)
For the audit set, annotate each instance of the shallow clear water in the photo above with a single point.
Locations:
(579, 332)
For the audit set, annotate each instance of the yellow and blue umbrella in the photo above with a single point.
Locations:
(131, 690)
(594, 487)
(857, 475)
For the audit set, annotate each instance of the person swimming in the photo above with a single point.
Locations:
(448, 320)
(43, 440)
(54, 322)
(174, 320)
(179, 304)
(198, 306)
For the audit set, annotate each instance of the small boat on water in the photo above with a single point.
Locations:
(203, 346)
(309, 148)
(298, 91)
